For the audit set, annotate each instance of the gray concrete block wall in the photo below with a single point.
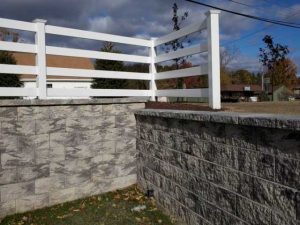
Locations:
(59, 152)
(219, 168)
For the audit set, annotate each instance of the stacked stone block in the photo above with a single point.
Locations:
(55, 153)
(220, 168)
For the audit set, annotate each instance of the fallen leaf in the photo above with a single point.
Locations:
(152, 209)
(82, 205)
(64, 216)
(117, 196)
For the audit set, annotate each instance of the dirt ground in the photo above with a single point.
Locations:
(288, 108)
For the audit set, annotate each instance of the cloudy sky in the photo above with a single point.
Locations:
(152, 18)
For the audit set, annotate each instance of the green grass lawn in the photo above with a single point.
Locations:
(113, 208)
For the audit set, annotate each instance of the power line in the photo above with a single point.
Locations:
(257, 7)
(240, 3)
(277, 22)
(258, 31)
(246, 36)
(249, 6)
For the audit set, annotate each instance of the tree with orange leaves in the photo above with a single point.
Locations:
(284, 73)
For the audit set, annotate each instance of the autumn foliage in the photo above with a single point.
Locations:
(284, 73)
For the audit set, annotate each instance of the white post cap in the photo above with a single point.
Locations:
(213, 11)
(39, 21)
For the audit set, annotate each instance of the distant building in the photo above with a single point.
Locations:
(56, 61)
(239, 92)
(296, 89)
(281, 93)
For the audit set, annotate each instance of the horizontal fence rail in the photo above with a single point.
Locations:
(96, 36)
(181, 53)
(188, 72)
(180, 33)
(18, 25)
(17, 47)
(13, 69)
(41, 70)
(53, 71)
(96, 55)
(63, 92)
(202, 92)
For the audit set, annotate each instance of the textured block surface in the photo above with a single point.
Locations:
(221, 168)
(64, 150)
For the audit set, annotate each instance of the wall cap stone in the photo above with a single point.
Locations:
(249, 119)
(49, 102)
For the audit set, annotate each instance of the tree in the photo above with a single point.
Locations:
(284, 73)
(225, 76)
(242, 76)
(257, 78)
(227, 55)
(8, 80)
(177, 43)
(137, 68)
(194, 81)
(271, 56)
(101, 64)
(6, 34)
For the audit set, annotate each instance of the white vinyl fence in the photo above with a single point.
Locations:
(212, 68)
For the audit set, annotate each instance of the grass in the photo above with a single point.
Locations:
(113, 208)
(288, 108)
(282, 108)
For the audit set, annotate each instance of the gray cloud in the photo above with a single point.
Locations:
(126, 17)
(137, 18)
(246, 62)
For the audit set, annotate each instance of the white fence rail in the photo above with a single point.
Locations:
(211, 68)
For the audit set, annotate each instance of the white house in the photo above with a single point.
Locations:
(56, 61)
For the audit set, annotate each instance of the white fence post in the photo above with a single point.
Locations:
(40, 41)
(152, 70)
(213, 59)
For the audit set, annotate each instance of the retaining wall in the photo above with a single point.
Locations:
(54, 151)
(221, 168)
